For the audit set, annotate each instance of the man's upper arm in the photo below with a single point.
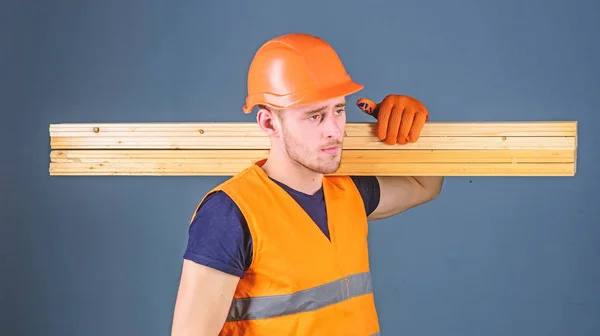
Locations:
(368, 187)
(218, 252)
(203, 300)
(219, 237)
(400, 193)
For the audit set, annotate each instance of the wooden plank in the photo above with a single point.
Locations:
(348, 156)
(435, 129)
(428, 143)
(444, 149)
(383, 169)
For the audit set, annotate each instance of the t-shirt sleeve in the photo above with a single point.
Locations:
(219, 236)
(368, 186)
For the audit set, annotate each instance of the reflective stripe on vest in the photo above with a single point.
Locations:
(306, 300)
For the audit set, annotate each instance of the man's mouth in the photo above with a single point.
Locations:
(332, 149)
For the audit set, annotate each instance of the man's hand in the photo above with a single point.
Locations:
(400, 119)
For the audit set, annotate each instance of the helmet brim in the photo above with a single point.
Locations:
(303, 97)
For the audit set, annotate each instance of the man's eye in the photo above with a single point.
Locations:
(339, 111)
(313, 117)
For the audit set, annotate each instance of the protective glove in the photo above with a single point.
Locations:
(400, 118)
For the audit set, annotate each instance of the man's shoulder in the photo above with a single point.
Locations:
(219, 236)
(367, 180)
(244, 176)
(369, 189)
(360, 181)
(217, 202)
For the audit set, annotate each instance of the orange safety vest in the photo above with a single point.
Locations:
(299, 282)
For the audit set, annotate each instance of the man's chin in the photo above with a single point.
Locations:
(330, 168)
(330, 171)
(322, 165)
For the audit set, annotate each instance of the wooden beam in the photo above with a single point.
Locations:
(444, 149)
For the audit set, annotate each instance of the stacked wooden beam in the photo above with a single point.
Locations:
(444, 149)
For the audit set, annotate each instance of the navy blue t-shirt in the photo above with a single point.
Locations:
(219, 236)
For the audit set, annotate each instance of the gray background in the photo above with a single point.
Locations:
(490, 256)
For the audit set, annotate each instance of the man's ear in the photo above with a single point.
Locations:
(268, 121)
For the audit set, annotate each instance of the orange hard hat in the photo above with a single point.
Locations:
(296, 69)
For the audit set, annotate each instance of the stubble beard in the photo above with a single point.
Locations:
(302, 155)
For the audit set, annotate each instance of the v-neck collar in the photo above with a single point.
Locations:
(313, 227)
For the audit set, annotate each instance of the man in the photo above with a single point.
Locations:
(281, 248)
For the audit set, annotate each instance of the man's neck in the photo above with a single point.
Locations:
(292, 174)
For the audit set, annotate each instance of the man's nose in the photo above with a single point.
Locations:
(333, 128)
